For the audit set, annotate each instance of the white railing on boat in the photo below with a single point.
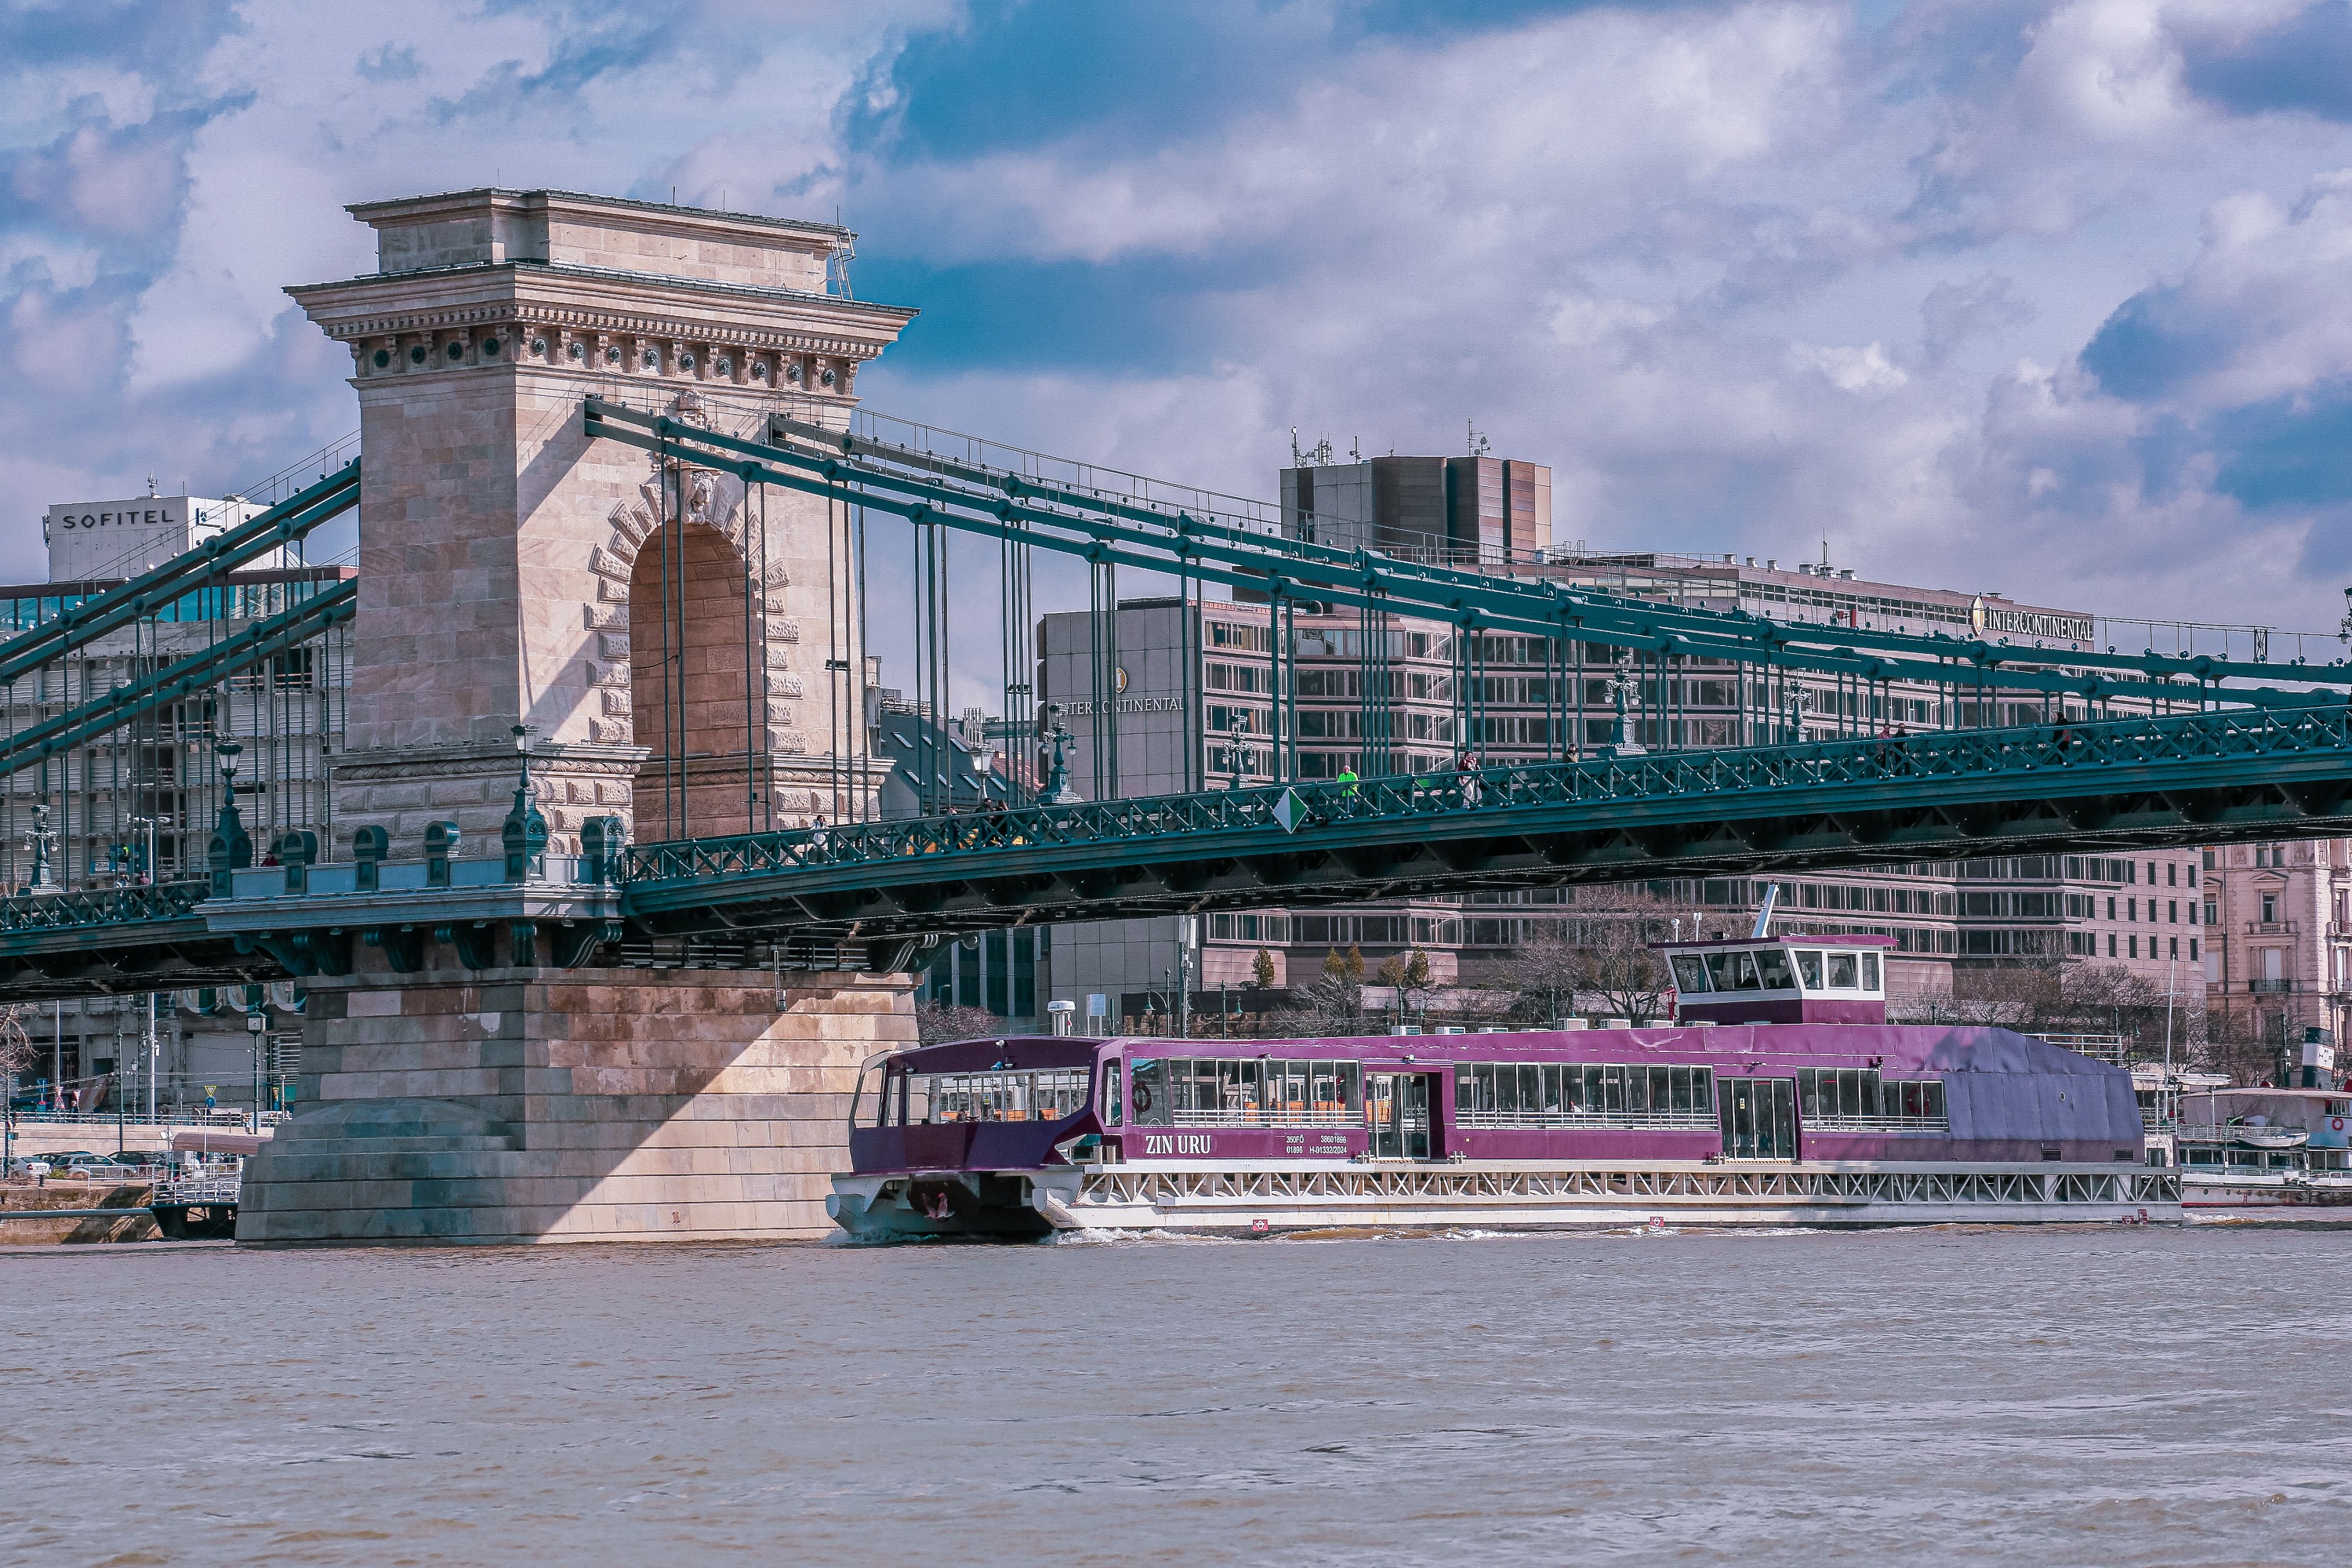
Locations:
(1878, 1123)
(215, 1189)
(2108, 1048)
(2207, 1132)
(1612, 1120)
(1267, 1118)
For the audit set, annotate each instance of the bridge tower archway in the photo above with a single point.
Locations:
(699, 697)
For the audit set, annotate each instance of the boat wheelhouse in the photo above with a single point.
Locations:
(1793, 980)
(1815, 1123)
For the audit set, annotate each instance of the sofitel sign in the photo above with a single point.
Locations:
(123, 538)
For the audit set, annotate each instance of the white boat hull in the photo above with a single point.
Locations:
(2274, 1194)
(1256, 1199)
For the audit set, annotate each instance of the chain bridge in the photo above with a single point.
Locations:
(613, 517)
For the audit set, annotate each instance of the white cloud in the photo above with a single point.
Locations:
(1745, 275)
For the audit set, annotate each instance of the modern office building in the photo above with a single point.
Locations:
(1468, 511)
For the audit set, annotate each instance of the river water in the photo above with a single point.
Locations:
(2108, 1396)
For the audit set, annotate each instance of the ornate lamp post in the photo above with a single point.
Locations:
(256, 1024)
(1619, 684)
(1057, 778)
(231, 849)
(38, 841)
(523, 836)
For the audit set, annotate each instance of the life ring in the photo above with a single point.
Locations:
(2335, 1125)
(1140, 1097)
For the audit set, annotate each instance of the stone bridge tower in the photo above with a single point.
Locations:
(511, 572)
(684, 657)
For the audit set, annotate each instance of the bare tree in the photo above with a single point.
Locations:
(2046, 997)
(935, 1022)
(18, 1055)
(1604, 952)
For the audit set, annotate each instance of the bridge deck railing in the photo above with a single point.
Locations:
(2073, 758)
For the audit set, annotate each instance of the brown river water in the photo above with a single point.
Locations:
(2091, 1396)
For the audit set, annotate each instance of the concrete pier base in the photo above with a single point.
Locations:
(501, 1106)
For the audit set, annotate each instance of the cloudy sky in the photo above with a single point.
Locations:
(2047, 297)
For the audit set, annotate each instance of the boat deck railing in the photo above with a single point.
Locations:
(206, 1189)
(2108, 1048)
(1878, 1123)
(1629, 1120)
(1271, 1117)
(2209, 1132)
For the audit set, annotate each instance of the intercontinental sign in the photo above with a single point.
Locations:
(2045, 624)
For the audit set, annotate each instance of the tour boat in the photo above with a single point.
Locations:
(1823, 1114)
(2265, 1153)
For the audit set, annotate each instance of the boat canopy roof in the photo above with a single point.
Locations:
(1892, 1050)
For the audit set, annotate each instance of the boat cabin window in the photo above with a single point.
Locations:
(1764, 969)
(928, 1099)
(1244, 1091)
(1835, 971)
(1571, 1094)
(1114, 1102)
(1857, 1099)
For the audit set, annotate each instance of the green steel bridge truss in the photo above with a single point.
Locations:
(2255, 760)
(927, 489)
(2201, 778)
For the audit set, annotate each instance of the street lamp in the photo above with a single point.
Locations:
(38, 841)
(257, 1022)
(1618, 685)
(1057, 779)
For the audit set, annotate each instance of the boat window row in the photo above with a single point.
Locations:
(1225, 1091)
(927, 1098)
(1775, 969)
(1498, 1095)
(1858, 1099)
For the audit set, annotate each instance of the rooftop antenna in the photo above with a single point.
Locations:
(1356, 455)
(1298, 458)
(151, 491)
(1479, 446)
(1825, 554)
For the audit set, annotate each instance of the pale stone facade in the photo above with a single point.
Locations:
(2278, 936)
(585, 1105)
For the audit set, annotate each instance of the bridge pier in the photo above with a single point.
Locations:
(537, 1105)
